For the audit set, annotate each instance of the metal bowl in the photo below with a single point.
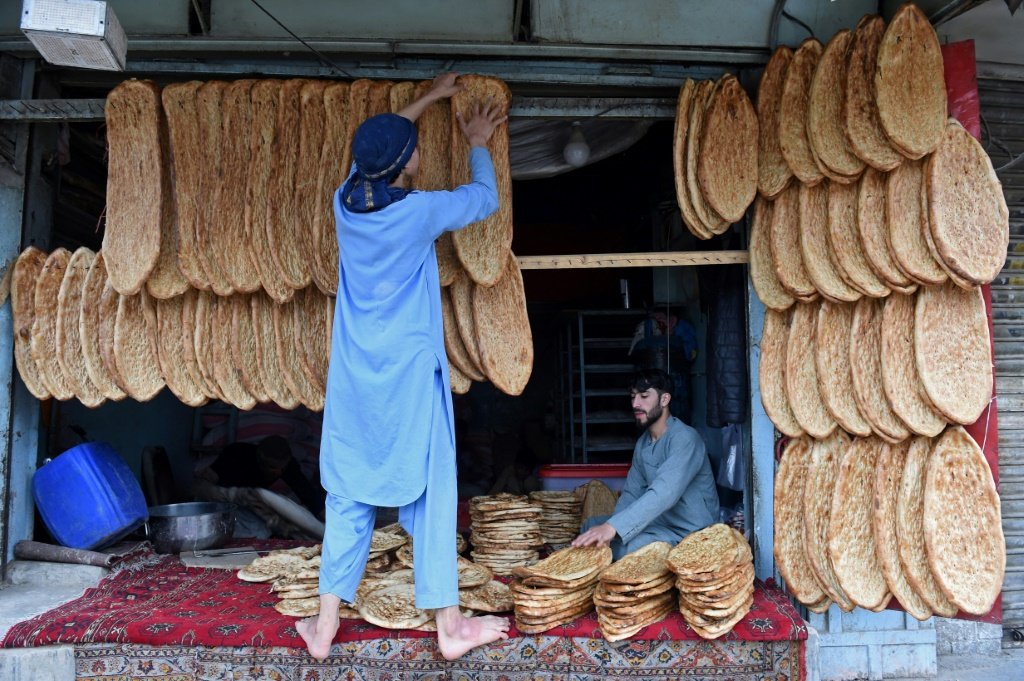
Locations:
(191, 526)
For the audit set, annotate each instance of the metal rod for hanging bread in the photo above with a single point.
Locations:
(611, 260)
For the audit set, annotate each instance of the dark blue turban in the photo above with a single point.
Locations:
(381, 147)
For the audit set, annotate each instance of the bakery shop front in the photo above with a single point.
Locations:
(766, 222)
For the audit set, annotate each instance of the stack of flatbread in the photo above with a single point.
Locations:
(560, 515)
(294, 575)
(714, 572)
(505, 531)
(558, 589)
(635, 591)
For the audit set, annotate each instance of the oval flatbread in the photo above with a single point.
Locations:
(863, 129)
(802, 373)
(967, 213)
(68, 331)
(312, 323)
(335, 162)
(844, 241)
(494, 596)
(817, 510)
(23, 311)
(814, 244)
(762, 269)
(727, 165)
(953, 351)
(107, 314)
(899, 368)
(189, 351)
(483, 246)
(772, 373)
(910, 529)
(503, 333)
(225, 372)
(874, 232)
(707, 217)
(202, 331)
(679, 141)
(90, 324)
(393, 607)
(169, 352)
(790, 557)
(454, 347)
(266, 352)
(936, 256)
(910, 88)
(903, 213)
(135, 350)
(851, 545)
(773, 173)
(308, 200)
(866, 361)
(835, 323)
(793, 111)
(963, 527)
(207, 155)
(460, 382)
(43, 347)
(287, 356)
(825, 123)
(784, 240)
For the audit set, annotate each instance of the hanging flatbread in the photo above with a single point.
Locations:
(936, 255)
(180, 107)
(89, 330)
(308, 201)
(243, 347)
(910, 87)
(907, 224)
(503, 333)
(825, 122)
(135, 350)
(189, 353)
(817, 511)
(711, 221)
(27, 269)
(793, 111)
(460, 382)
(772, 373)
(835, 376)
(899, 368)
(874, 232)
(265, 101)
(334, 167)
(762, 269)
(773, 173)
(865, 356)
(814, 245)
(455, 348)
(910, 529)
(169, 338)
(229, 237)
(888, 473)
(209, 105)
(282, 231)
(727, 164)
(851, 545)
(461, 292)
(288, 362)
(483, 246)
(784, 239)
(166, 279)
(225, 371)
(790, 556)
(43, 346)
(963, 527)
(863, 128)
(802, 374)
(844, 242)
(401, 95)
(68, 332)
(131, 238)
(680, 136)
(953, 351)
(107, 315)
(967, 209)
(313, 319)
(202, 331)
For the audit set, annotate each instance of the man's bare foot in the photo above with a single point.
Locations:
(458, 634)
(318, 632)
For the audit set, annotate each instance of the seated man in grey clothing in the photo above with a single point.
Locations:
(670, 491)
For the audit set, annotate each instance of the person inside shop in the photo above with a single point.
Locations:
(263, 464)
(669, 490)
(388, 433)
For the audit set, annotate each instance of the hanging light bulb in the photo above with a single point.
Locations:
(577, 151)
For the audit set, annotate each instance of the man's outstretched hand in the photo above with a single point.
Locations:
(599, 535)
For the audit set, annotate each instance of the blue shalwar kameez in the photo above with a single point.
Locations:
(388, 432)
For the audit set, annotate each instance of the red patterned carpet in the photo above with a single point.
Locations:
(165, 621)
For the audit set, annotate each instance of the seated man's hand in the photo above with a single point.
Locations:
(600, 535)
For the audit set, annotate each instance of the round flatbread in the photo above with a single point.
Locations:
(89, 324)
(865, 357)
(910, 88)
(814, 245)
(784, 240)
(711, 221)
(793, 112)
(863, 129)
(43, 346)
(825, 121)
(817, 510)
(835, 376)
(953, 351)
(727, 165)
(790, 557)
(27, 269)
(845, 245)
(772, 373)
(135, 350)
(393, 607)
(802, 374)
(679, 141)
(962, 523)
(762, 269)
(967, 213)
(169, 352)
(874, 232)
(851, 545)
(899, 368)
(773, 173)
(903, 213)
(503, 333)
(494, 596)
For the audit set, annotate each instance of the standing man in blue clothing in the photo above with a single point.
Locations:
(388, 430)
(669, 491)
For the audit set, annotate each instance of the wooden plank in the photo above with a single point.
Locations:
(613, 260)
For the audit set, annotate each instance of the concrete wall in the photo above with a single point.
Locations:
(868, 645)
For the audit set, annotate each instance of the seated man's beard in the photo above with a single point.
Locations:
(653, 415)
